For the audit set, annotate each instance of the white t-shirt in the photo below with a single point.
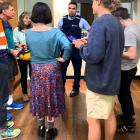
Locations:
(132, 39)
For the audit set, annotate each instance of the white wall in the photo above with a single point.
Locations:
(136, 18)
(20, 6)
(136, 11)
(27, 5)
(60, 8)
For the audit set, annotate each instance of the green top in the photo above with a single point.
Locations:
(9, 34)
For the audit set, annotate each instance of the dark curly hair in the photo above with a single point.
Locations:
(121, 12)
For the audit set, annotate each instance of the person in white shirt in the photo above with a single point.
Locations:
(20, 43)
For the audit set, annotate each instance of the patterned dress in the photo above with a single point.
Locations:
(47, 95)
(47, 91)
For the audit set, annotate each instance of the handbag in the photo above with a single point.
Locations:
(24, 54)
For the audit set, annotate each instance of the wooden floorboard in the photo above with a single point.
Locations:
(72, 125)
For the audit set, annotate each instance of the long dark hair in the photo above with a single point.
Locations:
(21, 23)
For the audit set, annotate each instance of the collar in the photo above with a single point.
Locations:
(71, 17)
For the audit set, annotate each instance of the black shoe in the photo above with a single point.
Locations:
(74, 93)
(41, 131)
(51, 134)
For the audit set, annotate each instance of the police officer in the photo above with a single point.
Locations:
(72, 25)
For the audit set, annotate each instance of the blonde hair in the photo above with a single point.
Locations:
(111, 4)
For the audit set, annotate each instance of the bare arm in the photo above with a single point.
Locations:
(131, 53)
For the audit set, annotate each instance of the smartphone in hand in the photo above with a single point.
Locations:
(71, 38)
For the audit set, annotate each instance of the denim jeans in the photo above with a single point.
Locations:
(4, 91)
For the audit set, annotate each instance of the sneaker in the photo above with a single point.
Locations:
(25, 98)
(125, 128)
(15, 105)
(9, 116)
(10, 124)
(9, 133)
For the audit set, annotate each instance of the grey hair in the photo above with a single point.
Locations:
(111, 4)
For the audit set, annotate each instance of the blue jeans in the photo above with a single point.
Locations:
(4, 90)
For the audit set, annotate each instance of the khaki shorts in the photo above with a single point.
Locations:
(99, 106)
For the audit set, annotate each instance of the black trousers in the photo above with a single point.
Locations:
(4, 91)
(76, 60)
(23, 65)
(124, 97)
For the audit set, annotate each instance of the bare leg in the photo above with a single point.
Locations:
(110, 126)
(11, 85)
(94, 129)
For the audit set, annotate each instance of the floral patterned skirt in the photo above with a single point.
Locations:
(47, 92)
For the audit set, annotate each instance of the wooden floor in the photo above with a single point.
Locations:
(72, 125)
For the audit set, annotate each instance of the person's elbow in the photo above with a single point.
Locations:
(131, 53)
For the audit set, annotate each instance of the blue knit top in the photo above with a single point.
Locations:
(46, 46)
